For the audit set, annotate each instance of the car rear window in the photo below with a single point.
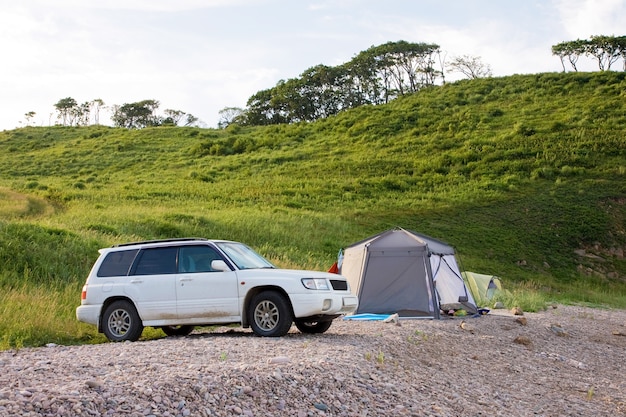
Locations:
(156, 261)
(117, 263)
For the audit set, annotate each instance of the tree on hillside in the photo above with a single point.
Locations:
(230, 115)
(402, 67)
(319, 92)
(606, 50)
(96, 105)
(571, 51)
(191, 120)
(81, 114)
(172, 117)
(70, 113)
(66, 109)
(375, 76)
(262, 109)
(136, 115)
(385, 72)
(28, 116)
(470, 66)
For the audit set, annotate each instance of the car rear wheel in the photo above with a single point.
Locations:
(121, 322)
(177, 330)
(270, 314)
(313, 326)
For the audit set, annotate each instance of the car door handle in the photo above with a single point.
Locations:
(136, 281)
(186, 279)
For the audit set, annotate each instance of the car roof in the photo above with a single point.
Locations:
(147, 242)
(161, 242)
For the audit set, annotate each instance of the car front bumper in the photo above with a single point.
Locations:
(323, 303)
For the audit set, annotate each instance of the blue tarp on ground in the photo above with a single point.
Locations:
(368, 316)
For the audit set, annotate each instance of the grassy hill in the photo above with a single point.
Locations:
(524, 175)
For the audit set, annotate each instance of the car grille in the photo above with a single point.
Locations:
(339, 285)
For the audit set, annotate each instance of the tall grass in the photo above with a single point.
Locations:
(34, 315)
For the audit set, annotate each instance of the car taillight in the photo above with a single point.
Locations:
(83, 294)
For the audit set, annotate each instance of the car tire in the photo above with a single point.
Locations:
(270, 314)
(121, 322)
(313, 327)
(177, 330)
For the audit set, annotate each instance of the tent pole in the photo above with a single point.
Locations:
(429, 273)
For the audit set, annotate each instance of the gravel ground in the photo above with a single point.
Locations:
(566, 361)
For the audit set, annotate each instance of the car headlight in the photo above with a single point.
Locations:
(315, 283)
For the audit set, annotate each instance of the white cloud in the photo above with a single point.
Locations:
(582, 19)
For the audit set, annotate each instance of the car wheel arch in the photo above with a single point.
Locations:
(107, 303)
(256, 290)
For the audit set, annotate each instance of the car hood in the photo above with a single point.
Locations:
(289, 273)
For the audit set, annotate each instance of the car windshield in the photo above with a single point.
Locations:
(243, 256)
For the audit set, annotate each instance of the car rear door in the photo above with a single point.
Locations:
(152, 283)
(205, 295)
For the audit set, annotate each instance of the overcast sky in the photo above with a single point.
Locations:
(200, 56)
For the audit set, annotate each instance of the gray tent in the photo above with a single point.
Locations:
(399, 271)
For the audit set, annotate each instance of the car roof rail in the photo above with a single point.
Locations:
(145, 242)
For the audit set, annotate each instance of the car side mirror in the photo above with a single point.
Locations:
(219, 265)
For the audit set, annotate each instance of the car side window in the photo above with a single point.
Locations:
(192, 259)
(117, 263)
(156, 261)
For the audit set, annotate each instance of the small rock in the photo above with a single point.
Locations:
(516, 311)
(466, 327)
(558, 330)
(521, 320)
(321, 406)
(281, 404)
(278, 359)
(94, 384)
(523, 340)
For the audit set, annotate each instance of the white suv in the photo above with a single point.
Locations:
(177, 284)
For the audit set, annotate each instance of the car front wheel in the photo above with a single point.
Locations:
(121, 322)
(177, 330)
(270, 314)
(313, 326)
